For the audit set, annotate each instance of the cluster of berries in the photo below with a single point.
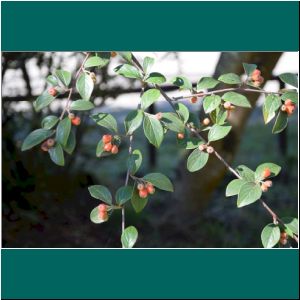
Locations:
(108, 144)
(208, 149)
(288, 106)
(102, 209)
(268, 183)
(74, 119)
(52, 91)
(145, 189)
(47, 145)
(257, 79)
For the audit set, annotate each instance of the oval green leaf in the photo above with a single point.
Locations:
(63, 131)
(85, 86)
(270, 235)
(129, 237)
(57, 155)
(101, 192)
(197, 160)
(36, 137)
(81, 105)
(217, 132)
(123, 194)
(210, 103)
(149, 97)
(160, 181)
(236, 99)
(249, 193)
(153, 130)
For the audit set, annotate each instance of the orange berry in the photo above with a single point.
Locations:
(206, 121)
(44, 147)
(227, 105)
(71, 116)
(50, 143)
(113, 54)
(232, 107)
(143, 193)
(102, 208)
(140, 186)
(52, 91)
(107, 138)
(76, 121)
(150, 188)
(266, 173)
(256, 75)
(103, 215)
(114, 149)
(180, 136)
(194, 99)
(268, 183)
(263, 187)
(290, 109)
(210, 149)
(107, 147)
(158, 116)
(288, 102)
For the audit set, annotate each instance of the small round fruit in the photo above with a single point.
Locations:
(140, 186)
(113, 54)
(180, 136)
(150, 188)
(194, 99)
(52, 91)
(107, 138)
(268, 183)
(103, 215)
(210, 149)
(256, 74)
(44, 147)
(76, 121)
(283, 107)
(202, 147)
(266, 173)
(114, 149)
(143, 193)
(102, 208)
(71, 116)
(50, 143)
(227, 105)
(263, 187)
(107, 147)
(159, 116)
(206, 121)
(290, 109)
(288, 102)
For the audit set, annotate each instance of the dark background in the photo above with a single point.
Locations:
(48, 206)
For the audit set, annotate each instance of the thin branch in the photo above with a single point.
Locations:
(82, 65)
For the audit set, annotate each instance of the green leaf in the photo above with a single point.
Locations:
(64, 77)
(43, 101)
(99, 148)
(197, 160)
(219, 115)
(249, 68)
(52, 80)
(160, 181)
(183, 111)
(271, 105)
(123, 194)
(182, 82)
(236, 99)
(95, 216)
(129, 237)
(189, 142)
(148, 62)
(101, 60)
(149, 97)
(207, 83)
(127, 56)
(275, 170)
(155, 78)
(81, 105)
(106, 120)
(36, 137)
(71, 143)
(101, 192)
(49, 122)
(133, 121)
(63, 131)
(280, 122)
(85, 86)
(291, 224)
(217, 132)
(290, 95)
(57, 155)
(249, 193)
(128, 71)
(172, 122)
(289, 78)
(270, 235)
(234, 187)
(153, 130)
(246, 173)
(230, 78)
(134, 161)
(137, 202)
(210, 103)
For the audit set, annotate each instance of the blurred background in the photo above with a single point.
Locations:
(44, 205)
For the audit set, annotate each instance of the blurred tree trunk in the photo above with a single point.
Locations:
(195, 189)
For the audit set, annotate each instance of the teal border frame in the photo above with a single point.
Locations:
(153, 273)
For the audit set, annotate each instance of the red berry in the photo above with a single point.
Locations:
(140, 186)
(107, 138)
(255, 75)
(194, 99)
(288, 102)
(266, 173)
(76, 121)
(114, 149)
(290, 109)
(44, 147)
(150, 188)
(107, 147)
(180, 136)
(102, 208)
(50, 143)
(143, 193)
(52, 91)
(103, 215)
